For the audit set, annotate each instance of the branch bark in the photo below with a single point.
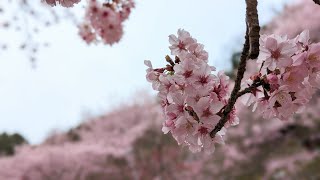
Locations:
(254, 28)
(317, 1)
(250, 50)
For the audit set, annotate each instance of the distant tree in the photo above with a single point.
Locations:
(9, 142)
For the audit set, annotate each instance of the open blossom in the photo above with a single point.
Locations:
(191, 96)
(86, 33)
(180, 44)
(303, 40)
(203, 78)
(288, 76)
(207, 109)
(282, 102)
(313, 55)
(103, 21)
(64, 3)
(222, 86)
(197, 51)
(294, 76)
(276, 52)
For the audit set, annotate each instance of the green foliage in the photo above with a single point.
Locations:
(310, 171)
(235, 58)
(73, 136)
(8, 143)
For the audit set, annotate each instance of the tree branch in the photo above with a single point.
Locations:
(254, 28)
(233, 97)
(317, 1)
(251, 45)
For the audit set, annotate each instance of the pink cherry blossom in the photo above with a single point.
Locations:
(192, 97)
(207, 108)
(185, 70)
(273, 80)
(86, 33)
(303, 40)
(313, 55)
(180, 44)
(198, 52)
(276, 51)
(288, 76)
(294, 76)
(104, 21)
(203, 77)
(222, 86)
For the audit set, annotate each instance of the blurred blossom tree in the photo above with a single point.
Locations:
(199, 106)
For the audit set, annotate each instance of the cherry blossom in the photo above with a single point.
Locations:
(180, 44)
(288, 76)
(192, 97)
(276, 51)
(103, 21)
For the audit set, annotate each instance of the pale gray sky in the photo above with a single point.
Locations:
(72, 77)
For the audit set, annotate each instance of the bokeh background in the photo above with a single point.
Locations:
(71, 111)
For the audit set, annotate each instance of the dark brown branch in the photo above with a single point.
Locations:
(251, 45)
(233, 97)
(254, 28)
(317, 1)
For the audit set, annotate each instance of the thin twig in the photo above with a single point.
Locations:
(233, 97)
(249, 89)
(251, 44)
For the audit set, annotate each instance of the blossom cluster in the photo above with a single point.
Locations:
(191, 96)
(288, 77)
(64, 3)
(103, 21)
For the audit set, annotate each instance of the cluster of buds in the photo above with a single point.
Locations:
(288, 77)
(64, 3)
(103, 21)
(191, 96)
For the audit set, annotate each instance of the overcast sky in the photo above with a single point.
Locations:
(72, 78)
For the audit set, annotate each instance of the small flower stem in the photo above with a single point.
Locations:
(250, 50)
(248, 89)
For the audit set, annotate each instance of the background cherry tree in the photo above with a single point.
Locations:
(122, 143)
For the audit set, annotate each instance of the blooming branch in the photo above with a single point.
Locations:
(199, 106)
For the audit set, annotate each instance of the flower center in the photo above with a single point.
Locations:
(203, 130)
(203, 80)
(206, 113)
(275, 54)
(313, 57)
(181, 45)
(187, 74)
(180, 108)
(189, 125)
